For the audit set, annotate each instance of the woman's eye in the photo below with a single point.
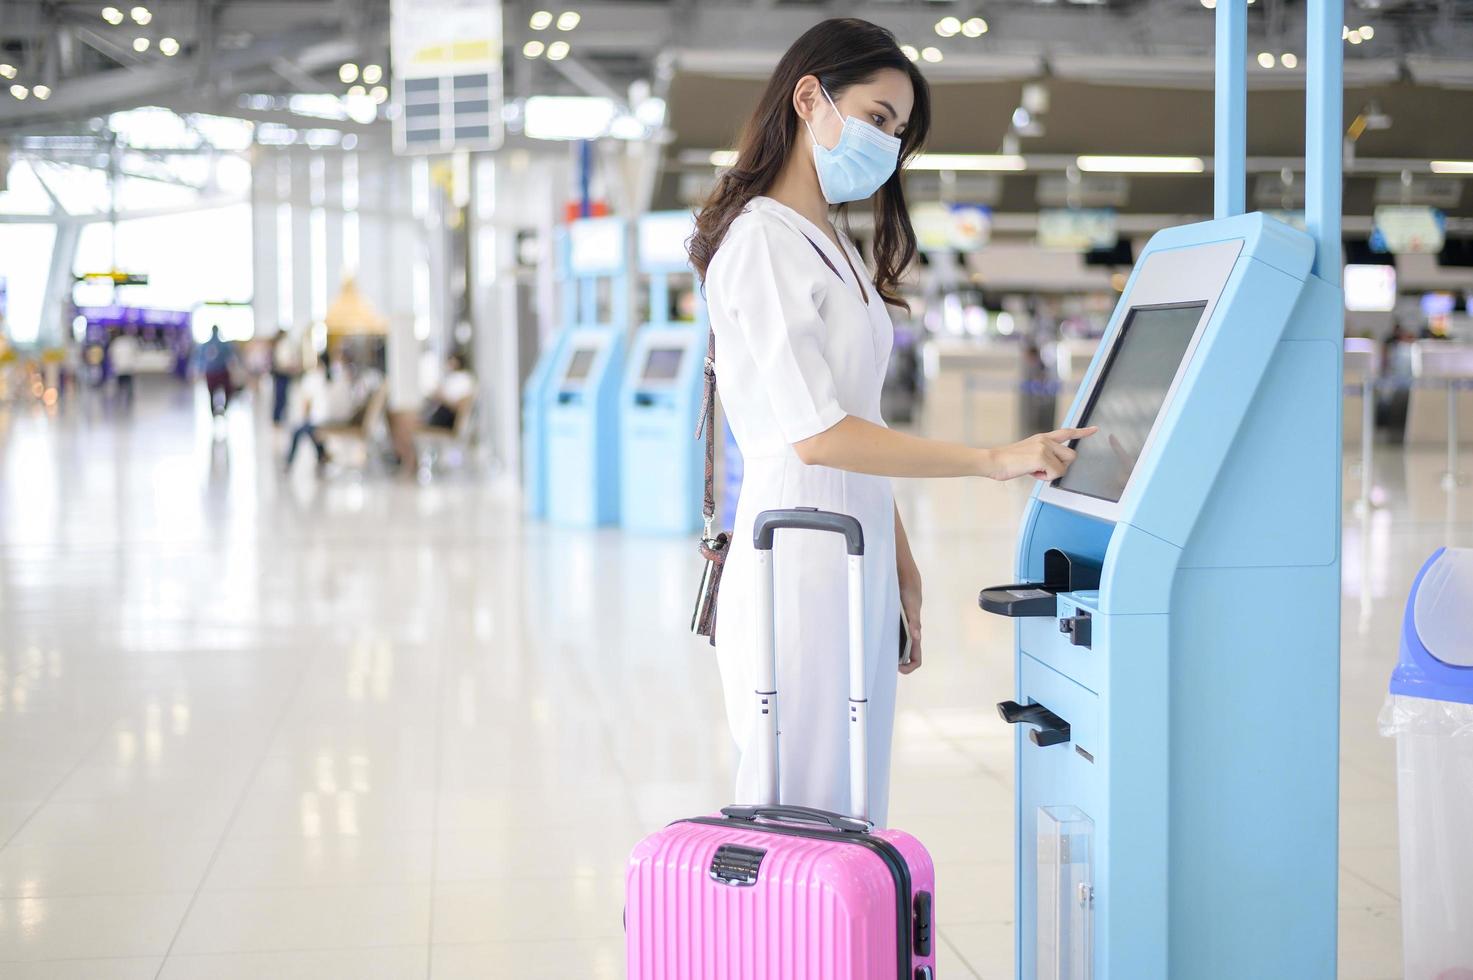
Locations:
(878, 120)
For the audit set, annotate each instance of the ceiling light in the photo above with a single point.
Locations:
(380, 94)
(948, 27)
(372, 74)
(541, 20)
(1139, 165)
(1210, 4)
(348, 73)
(42, 92)
(1355, 37)
(1452, 166)
(140, 15)
(974, 27)
(1289, 59)
(1265, 60)
(357, 92)
(909, 50)
(19, 91)
(7, 71)
(932, 55)
(723, 158)
(568, 19)
(558, 50)
(533, 49)
(168, 46)
(1367, 32)
(112, 15)
(968, 161)
(140, 44)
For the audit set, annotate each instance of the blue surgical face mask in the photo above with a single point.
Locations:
(859, 164)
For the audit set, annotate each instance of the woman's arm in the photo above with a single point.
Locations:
(863, 447)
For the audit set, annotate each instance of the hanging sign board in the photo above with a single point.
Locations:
(447, 75)
(951, 227)
(1076, 229)
(1407, 229)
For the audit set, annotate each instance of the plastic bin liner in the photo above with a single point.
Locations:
(1402, 715)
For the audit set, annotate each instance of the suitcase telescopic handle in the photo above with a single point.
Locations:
(810, 519)
(798, 814)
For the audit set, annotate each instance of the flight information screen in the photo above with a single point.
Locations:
(1128, 397)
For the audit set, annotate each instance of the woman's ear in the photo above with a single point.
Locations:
(806, 96)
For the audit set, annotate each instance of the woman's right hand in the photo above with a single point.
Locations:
(1045, 456)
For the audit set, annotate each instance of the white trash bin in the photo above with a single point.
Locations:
(1430, 713)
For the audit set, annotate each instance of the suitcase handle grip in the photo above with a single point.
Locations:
(811, 519)
(798, 814)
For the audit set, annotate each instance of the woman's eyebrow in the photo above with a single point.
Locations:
(890, 108)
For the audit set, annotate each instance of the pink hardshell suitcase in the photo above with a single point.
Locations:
(773, 892)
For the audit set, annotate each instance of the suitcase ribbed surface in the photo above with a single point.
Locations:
(819, 910)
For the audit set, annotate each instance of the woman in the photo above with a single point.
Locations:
(803, 335)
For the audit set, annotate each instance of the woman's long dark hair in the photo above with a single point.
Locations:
(840, 53)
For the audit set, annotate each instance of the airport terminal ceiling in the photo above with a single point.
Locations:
(1119, 77)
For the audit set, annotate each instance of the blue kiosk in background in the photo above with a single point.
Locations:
(661, 460)
(580, 391)
(1177, 617)
(536, 393)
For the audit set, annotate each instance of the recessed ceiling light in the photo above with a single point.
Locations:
(948, 27)
(1265, 60)
(7, 71)
(348, 73)
(42, 92)
(373, 74)
(140, 44)
(568, 19)
(540, 20)
(1367, 32)
(974, 27)
(168, 47)
(932, 55)
(533, 49)
(112, 15)
(19, 91)
(1289, 59)
(380, 94)
(909, 50)
(558, 50)
(140, 15)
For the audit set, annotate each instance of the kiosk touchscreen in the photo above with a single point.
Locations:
(582, 397)
(661, 460)
(1177, 607)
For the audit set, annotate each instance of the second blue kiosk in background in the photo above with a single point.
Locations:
(660, 458)
(580, 393)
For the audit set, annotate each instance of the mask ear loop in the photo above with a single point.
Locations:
(830, 99)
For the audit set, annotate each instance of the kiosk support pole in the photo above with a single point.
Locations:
(1451, 479)
(1323, 127)
(1230, 151)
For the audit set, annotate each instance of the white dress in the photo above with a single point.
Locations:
(797, 349)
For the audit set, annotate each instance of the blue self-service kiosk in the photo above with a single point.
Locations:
(581, 400)
(661, 461)
(537, 391)
(1178, 611)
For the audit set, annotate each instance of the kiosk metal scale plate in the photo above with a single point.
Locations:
(1177, 611)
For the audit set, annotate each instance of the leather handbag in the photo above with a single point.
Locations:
(714, 546)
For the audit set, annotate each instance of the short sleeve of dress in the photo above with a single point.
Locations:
(774, 301)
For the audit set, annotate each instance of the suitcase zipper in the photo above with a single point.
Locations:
(887, 852)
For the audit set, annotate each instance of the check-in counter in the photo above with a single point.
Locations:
(1440, 409)
(972, 391)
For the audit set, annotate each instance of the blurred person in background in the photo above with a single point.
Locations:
(286, 364)
(327, 398)
(122, 356)
(452, 396)
(216, 360)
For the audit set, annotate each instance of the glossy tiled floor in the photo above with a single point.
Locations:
(264, 726)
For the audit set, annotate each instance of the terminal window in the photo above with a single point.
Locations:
(1128, 396)
(663, 364)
